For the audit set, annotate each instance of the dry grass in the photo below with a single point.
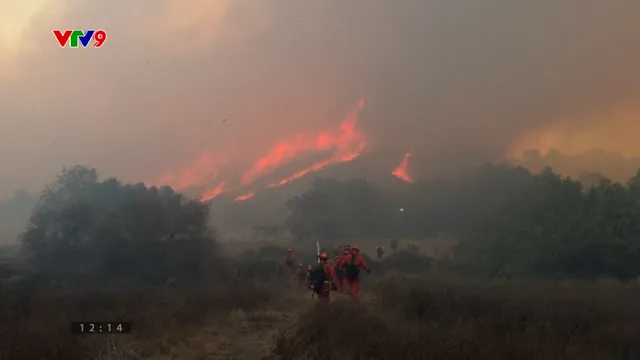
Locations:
(204, 323)
(399, 317)
(413, 319)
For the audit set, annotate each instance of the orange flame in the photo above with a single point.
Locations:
(401, 171)
(351, 144)
(299, 174)
(346, 142)
(208, 195)
(199, 173)
(341, 140)
(244, 197)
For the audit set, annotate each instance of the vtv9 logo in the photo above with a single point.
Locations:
(76, 37)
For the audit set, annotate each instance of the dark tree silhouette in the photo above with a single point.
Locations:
(333, 209)
(557, 227)
(94, 232)
(510, 221)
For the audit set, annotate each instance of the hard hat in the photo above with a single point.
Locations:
(354, 249)
(289, 250)
(324, 256)
(300, 265)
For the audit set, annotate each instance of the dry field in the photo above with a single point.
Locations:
(399, 317)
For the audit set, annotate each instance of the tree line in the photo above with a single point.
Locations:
(333, 208)
(510, 222)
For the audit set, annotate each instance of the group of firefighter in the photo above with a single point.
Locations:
(342, 274)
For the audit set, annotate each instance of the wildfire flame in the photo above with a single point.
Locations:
(345, 142)
(199, 173)
(210, 194)
(401, 171)
(244, 197)
(349, 145)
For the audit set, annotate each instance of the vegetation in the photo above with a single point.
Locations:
(418, 318)
(559, 228)
(14, 213)
(102, 250)
(87, 231)
(511, 222)
(334, 209)
(584, 166)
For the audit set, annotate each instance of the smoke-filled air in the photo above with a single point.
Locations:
(223, 94)
(328, 179)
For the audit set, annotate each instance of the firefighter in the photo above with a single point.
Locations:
(379, 251)
(289, 260)
(394, 244)
(301, 274)
(339, 274)
(322, 278)
(307, 280)
(342, 277)
(353, 263)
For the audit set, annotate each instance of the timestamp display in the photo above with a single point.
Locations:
(100, 327)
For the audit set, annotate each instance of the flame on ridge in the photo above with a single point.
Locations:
(345, 142)
(244, 197)
(401, 171)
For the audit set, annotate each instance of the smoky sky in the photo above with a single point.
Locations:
(452, 81)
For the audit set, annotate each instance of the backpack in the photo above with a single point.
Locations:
(353, 269)
(318, 277)
(339, 272)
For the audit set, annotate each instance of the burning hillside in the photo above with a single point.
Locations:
(338, 144)
(402, 170)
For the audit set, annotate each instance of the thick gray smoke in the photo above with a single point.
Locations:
(452, 81)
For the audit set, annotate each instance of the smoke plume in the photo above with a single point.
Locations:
(221, 83)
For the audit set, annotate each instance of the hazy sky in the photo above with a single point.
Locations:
(448, 80)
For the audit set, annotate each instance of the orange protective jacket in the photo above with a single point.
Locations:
(358, 260)
(336, 263)
(328, 271)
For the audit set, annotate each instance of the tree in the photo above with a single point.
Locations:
(558, 228)
(86, 230)
(333, 209)
(14, 213)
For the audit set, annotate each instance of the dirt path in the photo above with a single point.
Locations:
(251, 335)
(239, 335)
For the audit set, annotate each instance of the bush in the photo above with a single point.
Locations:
(407, 261)
(268, 252)
(423, 318)
(88, 232)
(261, 269)
(558, 228)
